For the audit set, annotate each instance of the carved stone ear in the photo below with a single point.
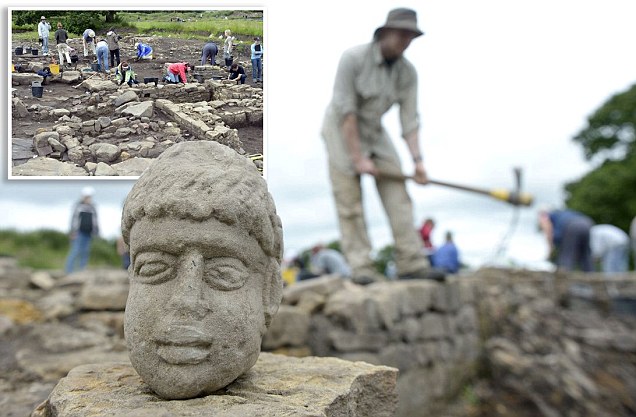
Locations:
(272, 291)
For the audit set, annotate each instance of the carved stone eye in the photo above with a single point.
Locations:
(154, 267)
(225, 274)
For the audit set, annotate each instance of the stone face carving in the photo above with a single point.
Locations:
(206, 246)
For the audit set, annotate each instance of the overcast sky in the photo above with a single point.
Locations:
(502, 84)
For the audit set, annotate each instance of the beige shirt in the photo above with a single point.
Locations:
(367, 86)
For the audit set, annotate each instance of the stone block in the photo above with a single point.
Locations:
(276, 386)
(104, 152)
(47, 167)
(104, 290)
(289, 327)
(433, 326)
(104, 170)
(325, 285)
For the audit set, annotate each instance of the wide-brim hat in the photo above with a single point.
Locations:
(403, 19)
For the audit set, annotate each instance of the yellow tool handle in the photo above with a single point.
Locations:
(517, 199)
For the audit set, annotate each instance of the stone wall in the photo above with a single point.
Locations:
(425, 329)
(564, 344)
(98, 134)
(557, 343)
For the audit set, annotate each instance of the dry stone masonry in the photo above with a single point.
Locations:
(113, 130)
(276, 386)
(429, 331)
(557, 344)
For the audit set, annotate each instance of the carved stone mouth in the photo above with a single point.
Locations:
(183, 345)
(183, 354)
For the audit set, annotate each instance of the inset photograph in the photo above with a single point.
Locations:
(102, 93)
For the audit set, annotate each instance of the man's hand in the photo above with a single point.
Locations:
(420, 176)
(364, 165)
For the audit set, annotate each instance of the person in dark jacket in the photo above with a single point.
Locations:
(237, 73)
(113, 46)
(84, 227)
(568, 235)
(209, 53)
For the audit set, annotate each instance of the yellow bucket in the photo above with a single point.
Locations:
(12, 68)
(55, 68)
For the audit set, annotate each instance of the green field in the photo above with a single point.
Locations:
(47, 249)
(181, 24)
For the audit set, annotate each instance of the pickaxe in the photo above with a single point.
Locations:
(515, 197)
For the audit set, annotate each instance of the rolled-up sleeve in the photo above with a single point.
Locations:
(409, 116)
(344, 99)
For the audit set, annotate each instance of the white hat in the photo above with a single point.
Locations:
(43, 18)
(88, 191)
(91, 33)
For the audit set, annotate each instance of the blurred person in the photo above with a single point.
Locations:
(63, 50)
(177, 72)
(328, 261)
(257, 60)
(123, 251)
(44, 29)
(228, 48)
(303, 272)
(425, 233)
(611, 245)
(113, 46)
(125, 74)
(144, 51)
(446, 257)
(568, 236)
(210, 49)
(102, 55)
(84, 227)
(237, 73)
(632, 233)
(89, 42)
(370, 79)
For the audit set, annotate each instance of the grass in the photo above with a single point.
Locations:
(202, 28)
(195, 24)
(47, 249)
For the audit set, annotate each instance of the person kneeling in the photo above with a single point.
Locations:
(177, 72)
(237, 73)
(125, 74)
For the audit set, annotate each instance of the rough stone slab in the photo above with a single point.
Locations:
(324, 285)
(25, 78)
(99, 85)
(276, 386)
(290, 327)
(49, 167)
(143, 109)
(133, 167)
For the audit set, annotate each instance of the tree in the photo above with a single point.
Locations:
(78, 22)
(611, 129)
(606, 193)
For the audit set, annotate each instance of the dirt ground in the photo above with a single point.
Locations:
(166, 49)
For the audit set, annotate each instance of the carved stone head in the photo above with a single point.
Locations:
(205, 246)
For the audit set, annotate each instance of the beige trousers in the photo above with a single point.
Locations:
(62, 50)
(353, 231)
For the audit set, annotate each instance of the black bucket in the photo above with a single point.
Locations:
(36, 89)
(148, 80)
(199, 78)
(95, 67)
(19, 51)
(34, 51)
